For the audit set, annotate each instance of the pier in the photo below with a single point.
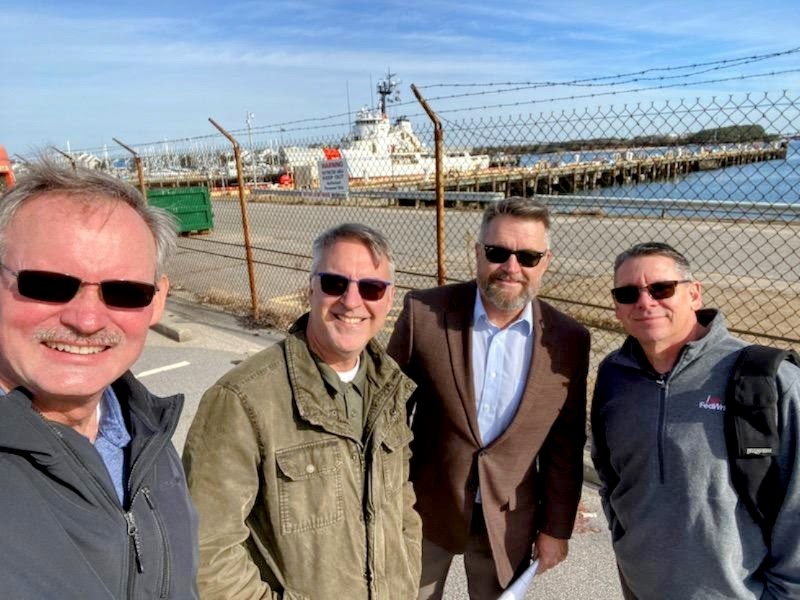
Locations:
(549, 178)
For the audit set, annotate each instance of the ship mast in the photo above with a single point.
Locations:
(387, 87)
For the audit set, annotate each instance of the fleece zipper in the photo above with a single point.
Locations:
(662, 426)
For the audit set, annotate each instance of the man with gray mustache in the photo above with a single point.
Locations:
(93, 499)
(499, 412)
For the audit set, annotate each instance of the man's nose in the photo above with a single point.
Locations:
(512, 264)
(351, 296)
(86, 313)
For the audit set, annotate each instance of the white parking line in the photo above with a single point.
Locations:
(178, 365)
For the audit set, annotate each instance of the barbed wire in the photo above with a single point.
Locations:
(586, 82)
(615, 92)
(740, 61)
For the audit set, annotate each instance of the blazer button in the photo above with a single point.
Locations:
(483, 453)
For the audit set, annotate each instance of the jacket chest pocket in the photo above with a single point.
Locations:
(310, 486)
(393, 463)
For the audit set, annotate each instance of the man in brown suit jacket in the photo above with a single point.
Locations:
(499, 412)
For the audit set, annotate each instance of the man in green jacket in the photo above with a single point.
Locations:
(298, 458)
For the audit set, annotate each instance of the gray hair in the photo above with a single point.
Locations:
(518, 207)
(44, 176)
(375, 242)
(655, 249)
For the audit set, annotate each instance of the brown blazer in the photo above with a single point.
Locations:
(530, 476)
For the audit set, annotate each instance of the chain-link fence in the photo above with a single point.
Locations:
(718, 179)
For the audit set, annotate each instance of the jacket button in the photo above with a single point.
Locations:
(310, 469)
(483, 453)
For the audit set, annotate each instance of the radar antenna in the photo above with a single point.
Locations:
(388, 87)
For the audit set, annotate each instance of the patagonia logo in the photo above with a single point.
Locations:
(757, 451)
(712, 403)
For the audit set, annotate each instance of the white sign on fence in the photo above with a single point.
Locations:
(333, 176)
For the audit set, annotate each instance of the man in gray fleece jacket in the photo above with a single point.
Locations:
(678, 527)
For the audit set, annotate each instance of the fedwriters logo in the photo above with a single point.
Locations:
(712, 403)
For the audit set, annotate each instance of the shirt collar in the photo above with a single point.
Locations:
(112, 424)
(332, 380)
(481, 322)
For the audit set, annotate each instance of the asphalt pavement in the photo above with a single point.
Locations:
(195, 345)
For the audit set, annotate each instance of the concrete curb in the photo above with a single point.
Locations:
(171, 328)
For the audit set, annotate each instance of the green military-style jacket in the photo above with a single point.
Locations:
(292, 503)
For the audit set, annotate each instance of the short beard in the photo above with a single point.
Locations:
(501, 300)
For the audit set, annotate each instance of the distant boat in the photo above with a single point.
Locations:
(377, 148)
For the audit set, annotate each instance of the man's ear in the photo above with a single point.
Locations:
(696, 294)
(160, 299)
(547, 259)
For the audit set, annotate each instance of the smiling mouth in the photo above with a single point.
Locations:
(350, 320)
(72, 349)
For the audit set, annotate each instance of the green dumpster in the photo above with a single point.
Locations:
(191, 206)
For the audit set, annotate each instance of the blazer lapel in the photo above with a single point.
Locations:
(544, 390)
(458, 329)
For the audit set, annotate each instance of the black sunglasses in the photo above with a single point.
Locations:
(336, 285)
(660, 290)
(499, 255)
(47, 286)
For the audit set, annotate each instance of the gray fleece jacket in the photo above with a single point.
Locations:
(678, 529)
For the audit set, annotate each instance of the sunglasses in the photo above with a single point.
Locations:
(336, 285)
(499, 255)
(47, 286)
(660, 290)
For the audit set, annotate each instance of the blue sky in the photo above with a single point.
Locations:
(82, 72)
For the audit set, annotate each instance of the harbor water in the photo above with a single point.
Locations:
(767, 190)
(771, 181)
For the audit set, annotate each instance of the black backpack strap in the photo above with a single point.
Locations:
(751, 430)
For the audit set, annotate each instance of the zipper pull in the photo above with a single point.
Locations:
(133, 534)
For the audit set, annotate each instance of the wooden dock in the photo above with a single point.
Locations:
(548, 178)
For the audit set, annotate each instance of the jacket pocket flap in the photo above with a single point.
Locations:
(309, 460)
(397, 437)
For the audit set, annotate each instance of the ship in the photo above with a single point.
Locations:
(378, 148)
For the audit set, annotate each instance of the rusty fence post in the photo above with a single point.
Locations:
(137, 160)
(438, 138)
(68, 157)
(245, 219)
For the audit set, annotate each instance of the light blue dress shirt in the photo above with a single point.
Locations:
(112, 437)
(500, 362)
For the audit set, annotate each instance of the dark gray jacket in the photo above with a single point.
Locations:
(678, 528)
(63, 533)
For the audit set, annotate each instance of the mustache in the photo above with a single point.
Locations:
(503, 276)
(67, 336)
